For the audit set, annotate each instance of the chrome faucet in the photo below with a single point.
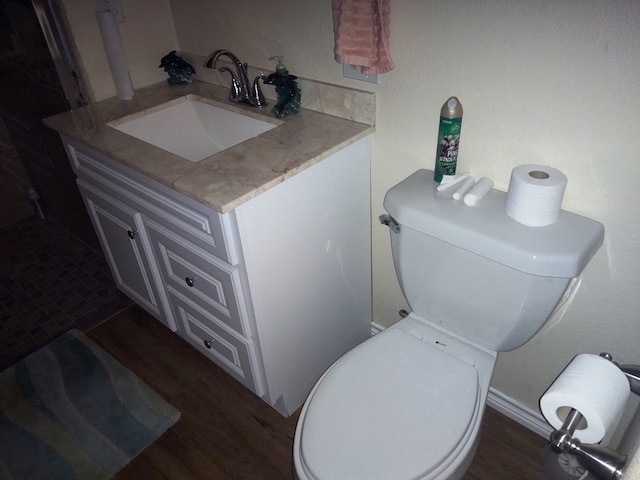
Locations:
(240, 91)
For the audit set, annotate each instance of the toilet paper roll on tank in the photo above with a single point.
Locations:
(535, 193)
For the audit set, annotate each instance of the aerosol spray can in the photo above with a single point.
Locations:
(448, 139)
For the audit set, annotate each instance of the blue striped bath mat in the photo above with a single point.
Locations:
(72, 411)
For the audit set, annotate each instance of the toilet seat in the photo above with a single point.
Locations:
(393, 407)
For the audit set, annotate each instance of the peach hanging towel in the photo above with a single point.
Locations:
(361, 31)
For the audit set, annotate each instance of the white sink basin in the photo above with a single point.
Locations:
(191, 128)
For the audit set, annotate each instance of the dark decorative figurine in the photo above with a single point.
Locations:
(180, 72)
(287, 90)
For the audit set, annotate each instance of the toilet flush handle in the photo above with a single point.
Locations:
(390, 222)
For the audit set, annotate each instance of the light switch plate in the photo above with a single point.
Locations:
(352, 71)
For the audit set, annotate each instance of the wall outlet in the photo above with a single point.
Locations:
(351, 71)
(115, 6)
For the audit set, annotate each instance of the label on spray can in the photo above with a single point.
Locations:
(448, 139)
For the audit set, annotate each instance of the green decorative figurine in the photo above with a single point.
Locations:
(287, 91)
(180, 72)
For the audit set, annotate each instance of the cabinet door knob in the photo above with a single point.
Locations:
(208, 343)
(190, 281)
(131, 234)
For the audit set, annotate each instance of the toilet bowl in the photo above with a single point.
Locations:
(407, 404)
(410, 408)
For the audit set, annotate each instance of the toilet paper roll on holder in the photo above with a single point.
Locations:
(602, 462)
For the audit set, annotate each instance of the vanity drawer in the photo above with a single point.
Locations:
(201, 329)
(200, 277)
(204, 227)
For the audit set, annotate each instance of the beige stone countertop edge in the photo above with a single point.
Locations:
(231, 177)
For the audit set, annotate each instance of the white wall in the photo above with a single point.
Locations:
(556, 83)
(147, 35)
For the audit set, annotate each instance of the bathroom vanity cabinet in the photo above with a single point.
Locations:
(272, 291)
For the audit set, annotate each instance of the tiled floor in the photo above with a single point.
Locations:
(50, 282)
(14, 182)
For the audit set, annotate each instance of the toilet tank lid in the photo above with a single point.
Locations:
(562, 249)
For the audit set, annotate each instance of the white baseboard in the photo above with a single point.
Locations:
(506, 405)
(519, 413)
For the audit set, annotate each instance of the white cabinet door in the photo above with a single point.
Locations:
(122, 235)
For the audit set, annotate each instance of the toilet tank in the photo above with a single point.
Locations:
(476, 272)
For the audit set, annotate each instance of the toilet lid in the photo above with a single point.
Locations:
(393, 407)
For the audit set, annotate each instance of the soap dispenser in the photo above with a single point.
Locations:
(287, 90)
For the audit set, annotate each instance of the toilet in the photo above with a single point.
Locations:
(407, 404)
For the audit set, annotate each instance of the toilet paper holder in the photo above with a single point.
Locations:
(602, 462)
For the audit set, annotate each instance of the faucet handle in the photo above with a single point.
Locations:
(258, 97)
(235, 93)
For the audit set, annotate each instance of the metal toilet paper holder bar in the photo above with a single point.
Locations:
(603, 462)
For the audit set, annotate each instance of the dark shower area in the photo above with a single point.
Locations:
(53, 275)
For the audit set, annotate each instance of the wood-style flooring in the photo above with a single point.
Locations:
(227, 433)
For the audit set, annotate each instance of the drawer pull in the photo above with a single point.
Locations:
(190, 281)
(132, 234)
(208, 343)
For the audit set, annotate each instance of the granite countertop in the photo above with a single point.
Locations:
(229, 178)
